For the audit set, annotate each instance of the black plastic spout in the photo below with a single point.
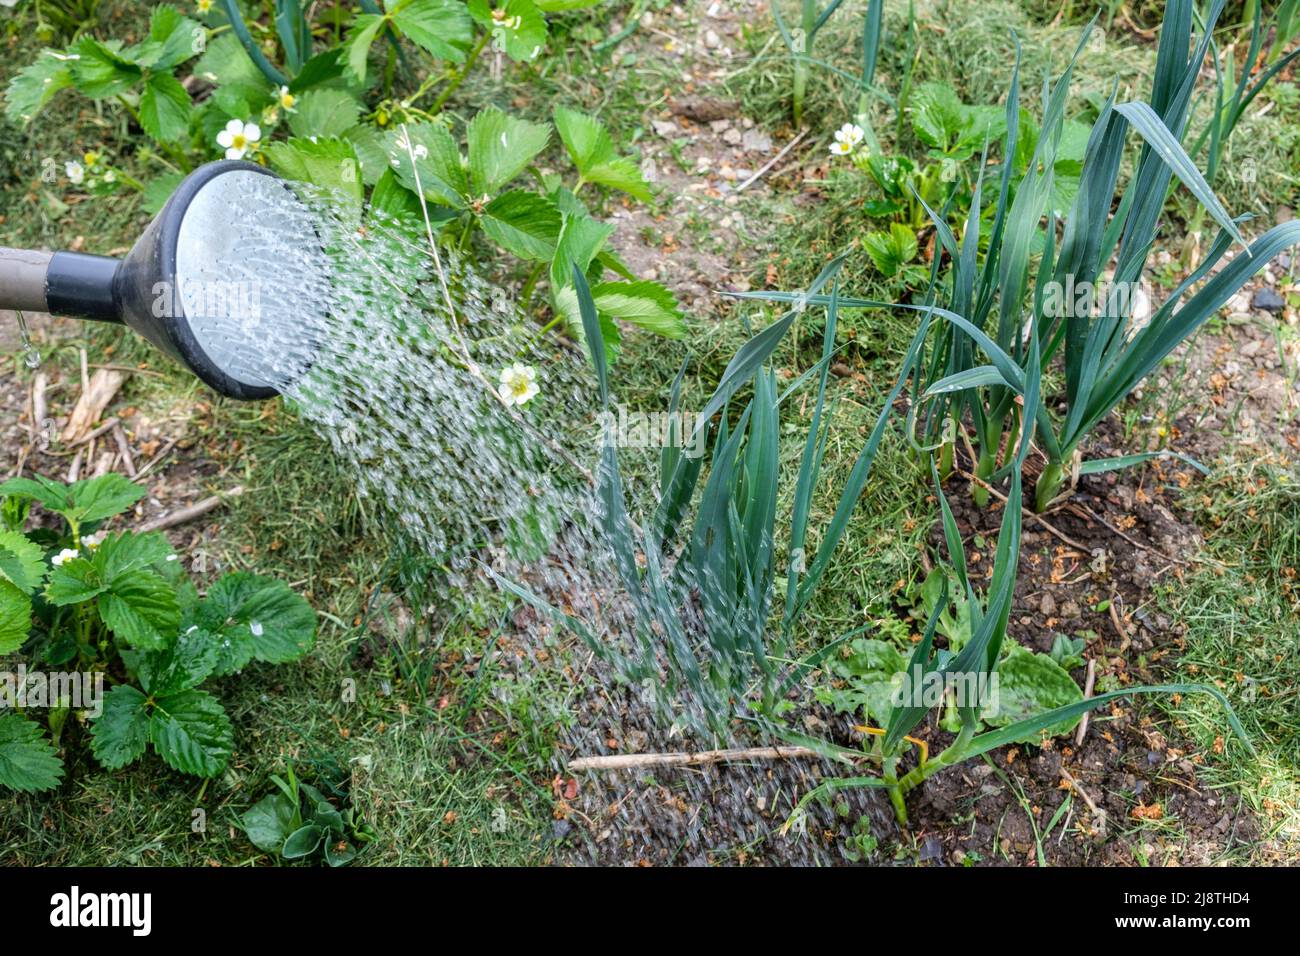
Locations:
(83, 286)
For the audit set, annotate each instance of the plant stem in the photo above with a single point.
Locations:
(955, 753)
(803, 51)
(1049, 483)
(530, 285)
(459, 78)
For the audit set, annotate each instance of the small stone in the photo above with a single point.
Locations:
(665, 128)
(711, 39)
(732, 137)
(756, 141)
(1267, 299)
(1069, 610)
(720, 126)
(1047, 606)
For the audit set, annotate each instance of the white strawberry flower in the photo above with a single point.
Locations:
(286, 99)
(93, 541)
(851, 134)
(839, 148)
(67, 554)
(518, 384)
(238, 138)
(76, 172)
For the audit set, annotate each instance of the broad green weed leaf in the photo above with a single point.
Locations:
(868, 675)
(302, 842)
(269, 822)
(1030, 684)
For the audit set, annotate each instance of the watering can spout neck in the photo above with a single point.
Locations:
(63, 283)
(84, 286)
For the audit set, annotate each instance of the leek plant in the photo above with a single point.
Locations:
(799, 41)
(1025, 279)
(705, 601)
(898, 706)
(1233, 95)
(970, 671)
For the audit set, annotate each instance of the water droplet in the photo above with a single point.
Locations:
(31, 357)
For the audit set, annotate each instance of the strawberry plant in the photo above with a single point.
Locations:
(117, 607)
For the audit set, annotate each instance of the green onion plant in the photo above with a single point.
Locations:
(1001, 289)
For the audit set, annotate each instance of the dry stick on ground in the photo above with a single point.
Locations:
(1098, 814)
(102, 429)
(1029, 514)
(1120, 629)
(1137, 544)
(124, 449)
(1089, 682)
(74, 470)
(148, 466)
(699, 759)
(96, 394)
(772, 162)
(196, 510)
(104, 464)
(40, 408)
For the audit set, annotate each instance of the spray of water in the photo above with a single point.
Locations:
(398, 371)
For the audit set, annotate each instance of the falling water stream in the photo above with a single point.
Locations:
(403, 388)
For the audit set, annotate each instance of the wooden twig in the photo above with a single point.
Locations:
(74, 470)
(124, 449)
(90, 436)
(104, 464)
(40, 408)
(196, 510)
(1089, 682)
(1120, 629)
(699, 759)
(772, 162)
(148, 466)
(1027, 513)
(1137, 544)
(97, 392)
(1097, 812)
